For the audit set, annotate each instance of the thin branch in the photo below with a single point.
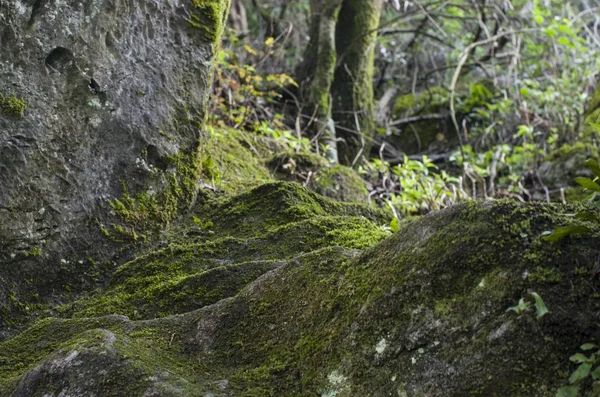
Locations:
(415, 119)
(461, 63)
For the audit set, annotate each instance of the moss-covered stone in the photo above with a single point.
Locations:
(416, 137)
(335, 181)
(213, 255)
(425, 308)
(422, 313)
(223, 162)
(342, 183)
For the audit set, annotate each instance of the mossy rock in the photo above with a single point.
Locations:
(334, 181)
(224, 246)
(418, 136)
(59, 94)
(341, 183)
(423, 312)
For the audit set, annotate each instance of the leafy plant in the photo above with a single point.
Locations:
(413, 186)
(586, 219)
(586, 361)
(242, 96)
(524, 306)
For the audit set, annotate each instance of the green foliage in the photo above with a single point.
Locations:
(286, 138)
(520, 308)
(586, 219)
(242, 96)
(588, 367)
(413, 186)
(523, 306)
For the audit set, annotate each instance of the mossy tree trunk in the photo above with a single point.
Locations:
(336, 75)
(352, 89)
(317, 71)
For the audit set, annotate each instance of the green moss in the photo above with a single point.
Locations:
(341, 183)
(34, 252)
(417, 136)
(275, 204)
(12, 106)
(221, 162)
(444, 272)
(111, 356)
(232, 160)
(209, 18)
(423, 308)
(429, 101)
(150, 211)
(545, 275)
(335, 181)
(189, 273)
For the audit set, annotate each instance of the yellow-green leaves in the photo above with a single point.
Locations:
(523, 306)
(540, 307)
(394, 225)
(588, 184)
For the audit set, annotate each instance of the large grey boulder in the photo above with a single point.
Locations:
(92, 95)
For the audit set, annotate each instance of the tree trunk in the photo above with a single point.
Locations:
(336, 76)
(317, 70)
(238, 19)
(352, 88)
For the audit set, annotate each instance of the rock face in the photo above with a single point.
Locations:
(93, 94)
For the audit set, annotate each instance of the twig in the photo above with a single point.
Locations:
(414, 119)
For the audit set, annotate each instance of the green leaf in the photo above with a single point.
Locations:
(521, 307)
(582, 372)
(596, 373)
(394, 225)
(595, 125)
(588, 184)
(562, 232)
(587, 216)
(568, 391)
(540, 307)
(564, 41)
(588, 346)
(578, 358)
(593, 166)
